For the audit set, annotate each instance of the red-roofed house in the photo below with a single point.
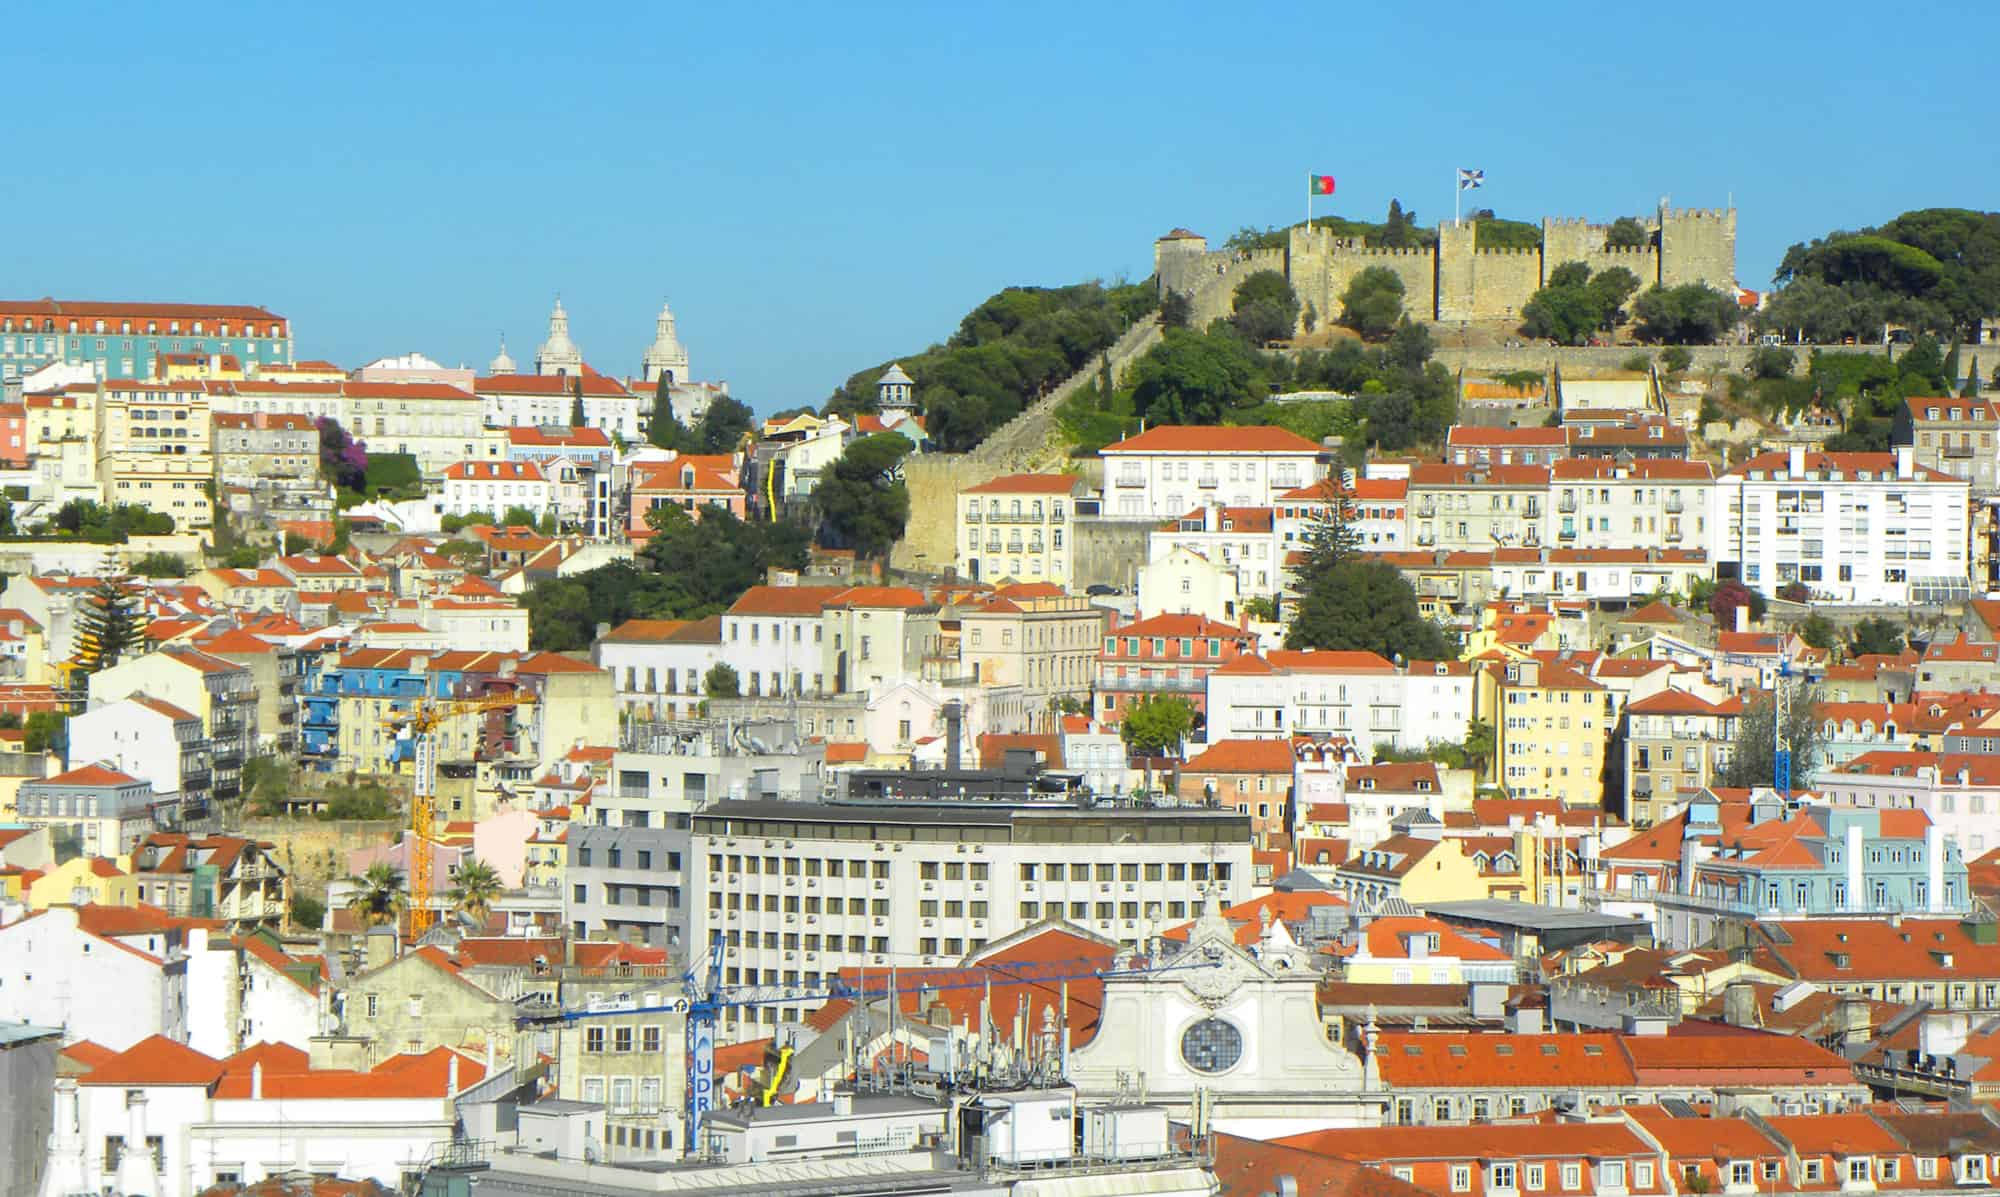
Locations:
(1414, 950)
(1167, 471)
(1165, 655)
(689, 481)
(495, 487)
(1251, 776)
(1677, 743)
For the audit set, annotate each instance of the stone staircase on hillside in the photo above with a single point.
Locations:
(1024, 441)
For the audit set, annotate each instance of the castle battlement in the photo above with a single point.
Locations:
(1456, 279)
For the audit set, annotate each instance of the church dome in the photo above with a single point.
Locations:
(666, 357)
(558, 354)
(501, 363)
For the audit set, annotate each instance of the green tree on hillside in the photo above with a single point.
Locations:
(1363, 605)
(1690, 314)
(109, 626)
(1753, 754)
(664, 429)
(1156, 725)
(1875, 635)
(1373, 302)
(1575, 304)
(862, 499)
(721, 681)
(1194, 378)
(1266, 308)
(722, 426)
(1627, 233)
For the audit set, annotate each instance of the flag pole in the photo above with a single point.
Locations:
(1309, 203)
(1456, 192)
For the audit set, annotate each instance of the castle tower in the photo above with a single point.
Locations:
(666, 357)
(1698, 245)
(559, 354)
(501, 363)
(895, 390)
(1456, 245)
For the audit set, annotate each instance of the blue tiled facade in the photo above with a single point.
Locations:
(126, 341)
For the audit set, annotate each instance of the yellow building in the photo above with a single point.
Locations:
(1514, 630)
(83, 881)
(1550, 725)
(1414, 867)
(154, 448)
(179, 367)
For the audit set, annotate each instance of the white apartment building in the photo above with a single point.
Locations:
(491, 487)
(1651, 502)
(1241, 540)
(146, 738)
(1353, 695)
(1377, 512)
(1596, 574)
(657, 666)
(1454, 507)
(1183, 582)
(804, 890)
(1166, 472)
(1861, 528)
(1019, 528)
(540, 400)
(775, 637)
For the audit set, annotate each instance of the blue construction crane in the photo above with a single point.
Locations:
(705, 998)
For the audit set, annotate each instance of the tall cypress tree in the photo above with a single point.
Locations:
(108, 626)
(576, 416)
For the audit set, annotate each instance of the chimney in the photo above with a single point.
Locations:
(1906, 461)
(1795, 462)
(451, 1089)
(954, 734)
(257, 1081)
(1742, 617)
(135, 1162)
(1739, 1005)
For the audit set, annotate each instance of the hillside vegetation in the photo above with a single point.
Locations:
(1007, 352)
(1934, 270)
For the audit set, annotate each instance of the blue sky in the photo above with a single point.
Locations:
(818, 187)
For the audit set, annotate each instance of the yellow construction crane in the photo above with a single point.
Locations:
(423, 721)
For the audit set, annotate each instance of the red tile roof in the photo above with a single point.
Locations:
(1026, 484)
(90, 775)
(1179, 438)
(155, 1060)
(1243, 756)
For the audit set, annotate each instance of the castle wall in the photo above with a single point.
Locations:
(1457, 281)
(1476, 284)
(1321, 266)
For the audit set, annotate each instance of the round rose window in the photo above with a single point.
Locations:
(1212, 1045)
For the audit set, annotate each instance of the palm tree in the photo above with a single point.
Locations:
(379, 896)
(477, 886)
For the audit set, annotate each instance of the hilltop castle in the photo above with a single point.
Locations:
(1456, 281)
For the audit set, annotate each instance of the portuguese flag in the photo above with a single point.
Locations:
(1322, 184)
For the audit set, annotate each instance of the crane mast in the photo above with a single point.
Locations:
(423, 721)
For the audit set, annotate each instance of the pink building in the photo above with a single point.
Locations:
(690, 481)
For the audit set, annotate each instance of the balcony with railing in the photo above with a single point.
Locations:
(973, 515)
(1674, 505)
(1566, 504)
(1131, 478)
(1168, 683)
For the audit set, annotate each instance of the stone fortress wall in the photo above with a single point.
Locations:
(1456, 281)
